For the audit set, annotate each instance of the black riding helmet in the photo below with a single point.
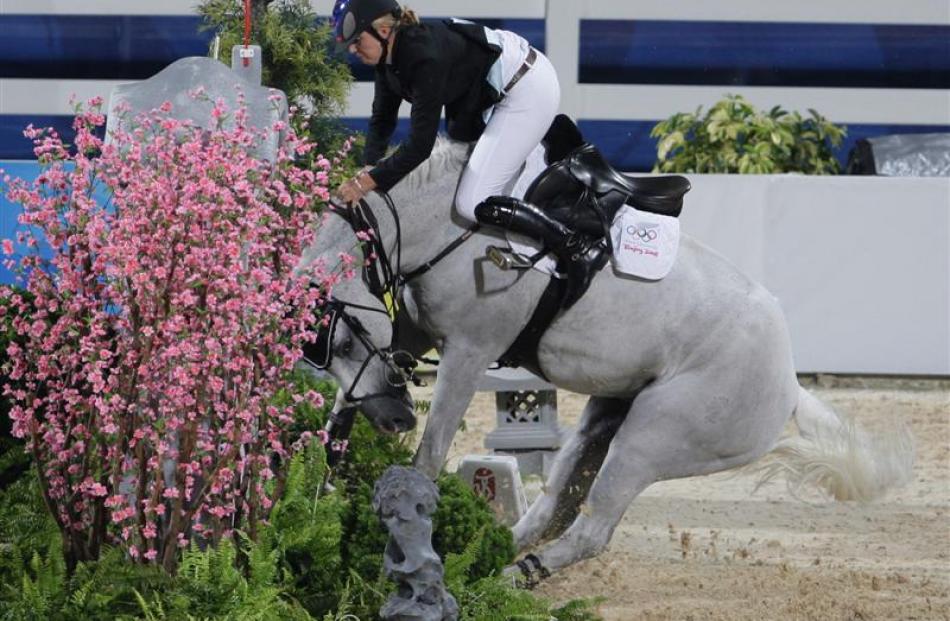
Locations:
(352, 17)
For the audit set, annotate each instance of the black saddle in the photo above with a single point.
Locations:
(582, 189)
(663, 195)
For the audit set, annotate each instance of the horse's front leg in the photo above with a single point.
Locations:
(460, 369)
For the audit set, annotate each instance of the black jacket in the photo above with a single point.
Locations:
(434, 65)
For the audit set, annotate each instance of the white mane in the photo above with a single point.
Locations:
(448, 157)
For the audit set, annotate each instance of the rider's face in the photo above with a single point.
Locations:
(367, 48)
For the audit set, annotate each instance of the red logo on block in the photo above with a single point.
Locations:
(484, 483)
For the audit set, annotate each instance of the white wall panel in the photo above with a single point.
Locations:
(22, 96)
(838, 11)
(861, 265)
(818, 11)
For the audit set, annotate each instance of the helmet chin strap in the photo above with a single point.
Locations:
(383, 42)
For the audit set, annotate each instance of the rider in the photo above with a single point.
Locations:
(495, 88)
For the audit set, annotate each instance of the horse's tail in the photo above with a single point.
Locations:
(834, 454)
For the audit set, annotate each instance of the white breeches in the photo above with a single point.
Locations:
(517, 125)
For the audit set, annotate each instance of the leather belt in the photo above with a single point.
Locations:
(523, 69)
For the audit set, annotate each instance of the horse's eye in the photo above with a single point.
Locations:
(346, 346)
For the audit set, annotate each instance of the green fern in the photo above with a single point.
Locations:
(579, 610)
(364, 597)
(305, 533)
(40, 590)
(458, 566)
(153, 611)
(460, 516)
(208, 581)
(422, 407)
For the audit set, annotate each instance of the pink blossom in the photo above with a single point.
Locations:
(165, 310)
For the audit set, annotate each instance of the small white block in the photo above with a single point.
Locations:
(497, 479)
(252, 71)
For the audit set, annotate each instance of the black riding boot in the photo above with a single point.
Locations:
(580, 256)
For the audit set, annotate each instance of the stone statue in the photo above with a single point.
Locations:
(175, 82)
(405, 499)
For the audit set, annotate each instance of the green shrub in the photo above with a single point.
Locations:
(320, 557)
(735, 137)
(295, 46)
(462, 516)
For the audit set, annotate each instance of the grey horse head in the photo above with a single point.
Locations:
(427, 190)
(354, 340)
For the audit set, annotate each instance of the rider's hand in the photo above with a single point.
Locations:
(356, 188)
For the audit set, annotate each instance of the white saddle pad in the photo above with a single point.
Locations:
(645, 243)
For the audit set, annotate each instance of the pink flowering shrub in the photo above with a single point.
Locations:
(164, 323)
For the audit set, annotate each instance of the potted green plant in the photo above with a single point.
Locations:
(733, 136)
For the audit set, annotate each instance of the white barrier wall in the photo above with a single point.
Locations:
(861, 265)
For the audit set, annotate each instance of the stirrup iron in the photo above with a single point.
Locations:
(506, 260)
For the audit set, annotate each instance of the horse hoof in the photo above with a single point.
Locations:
(527, 573)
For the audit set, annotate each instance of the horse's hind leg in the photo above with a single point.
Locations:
(572, 472)
(672, 430)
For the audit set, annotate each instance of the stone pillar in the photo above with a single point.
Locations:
(405, 499)
(526, 418)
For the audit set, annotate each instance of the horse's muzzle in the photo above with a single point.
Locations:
(391, 413)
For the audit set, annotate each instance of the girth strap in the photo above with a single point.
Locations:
(524, 351)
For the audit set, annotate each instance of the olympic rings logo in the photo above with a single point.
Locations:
(645, 234)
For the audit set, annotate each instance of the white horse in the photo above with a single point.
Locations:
(688, 375)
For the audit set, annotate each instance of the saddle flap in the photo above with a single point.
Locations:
(555, 184)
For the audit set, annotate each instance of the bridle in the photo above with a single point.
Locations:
(401, 364)
(383, 282)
